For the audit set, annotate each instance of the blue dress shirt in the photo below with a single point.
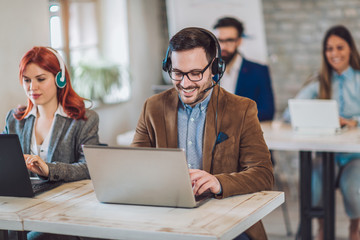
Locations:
(191, 123)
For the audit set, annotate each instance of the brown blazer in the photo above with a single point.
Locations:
(241, 163)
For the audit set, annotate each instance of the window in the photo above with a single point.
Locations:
(92, 37)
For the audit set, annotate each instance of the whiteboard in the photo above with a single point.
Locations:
(204, 13)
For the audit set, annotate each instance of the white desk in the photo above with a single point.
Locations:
(78, 212)
(279, 136)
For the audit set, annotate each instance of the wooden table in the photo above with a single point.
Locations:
(14, 209)
(74, 210)
(279, 136)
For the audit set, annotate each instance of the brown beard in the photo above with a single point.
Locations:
(201, 95)
(228, 59)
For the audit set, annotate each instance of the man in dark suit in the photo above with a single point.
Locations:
(243, 77)
(220, 132)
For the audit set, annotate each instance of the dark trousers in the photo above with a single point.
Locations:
(242, 236)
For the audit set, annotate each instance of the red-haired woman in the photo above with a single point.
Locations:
(54, 124)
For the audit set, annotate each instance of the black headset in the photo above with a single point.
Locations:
(218, 65)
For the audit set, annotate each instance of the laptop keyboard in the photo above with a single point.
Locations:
(40, 186)
(204, 196)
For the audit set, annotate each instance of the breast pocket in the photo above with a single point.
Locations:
(225, 157)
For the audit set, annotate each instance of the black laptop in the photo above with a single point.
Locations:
(14, 177)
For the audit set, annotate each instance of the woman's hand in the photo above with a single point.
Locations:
(35, 164)
(348, 122)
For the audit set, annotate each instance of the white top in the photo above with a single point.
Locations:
(230, 77)
(42, 149)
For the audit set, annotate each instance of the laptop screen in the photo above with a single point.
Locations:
(14, 176)
(144, 176)
(314, 115)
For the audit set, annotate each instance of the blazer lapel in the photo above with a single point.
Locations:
(55, 135)
(209, 133)
(242, 76)
(170, 117)
(27, 134)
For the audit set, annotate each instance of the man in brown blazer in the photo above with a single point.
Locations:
(220, 131)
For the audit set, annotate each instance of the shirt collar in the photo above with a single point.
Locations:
(347, 74)
(202, 105)
(59, 111)
(235, 64)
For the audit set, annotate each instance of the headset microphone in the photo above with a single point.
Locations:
(207, 89)
(216, 82)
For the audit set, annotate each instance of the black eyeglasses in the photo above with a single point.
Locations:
(228, 40)
(193, 76)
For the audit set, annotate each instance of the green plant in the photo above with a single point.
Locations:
(94, 80)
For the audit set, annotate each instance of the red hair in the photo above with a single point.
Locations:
(72, 103)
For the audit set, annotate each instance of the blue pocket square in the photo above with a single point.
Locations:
(221, 137)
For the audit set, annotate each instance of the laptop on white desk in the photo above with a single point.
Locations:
(314, 116)
(141, 176)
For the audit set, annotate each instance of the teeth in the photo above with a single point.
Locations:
(189, 90)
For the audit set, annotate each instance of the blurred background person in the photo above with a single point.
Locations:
(243, 77)
(339, 79)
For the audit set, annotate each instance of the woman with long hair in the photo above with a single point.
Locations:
(54, 124)
(339, 79)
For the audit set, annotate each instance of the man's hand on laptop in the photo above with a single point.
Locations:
(348, 122)
(35, 164)
(203, 181)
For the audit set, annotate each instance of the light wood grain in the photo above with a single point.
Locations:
(13, 209)
(79, 213)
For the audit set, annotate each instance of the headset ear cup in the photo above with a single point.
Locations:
(222, 66)
(167, 65)
(167, 61)
(164, 63)
(59, 83)
(215, 66)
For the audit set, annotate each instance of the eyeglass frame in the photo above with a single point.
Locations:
(228, 40)
(186, 73)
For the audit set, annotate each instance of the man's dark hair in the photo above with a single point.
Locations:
(230, 22)
(190, 38)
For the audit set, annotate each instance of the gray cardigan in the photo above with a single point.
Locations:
(65, 157)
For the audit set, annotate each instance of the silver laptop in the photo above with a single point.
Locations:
(314, 116)
(142, 176)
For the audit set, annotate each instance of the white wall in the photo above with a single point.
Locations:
(114, 44)
(145, 69)
(204, 13)
(23, 24)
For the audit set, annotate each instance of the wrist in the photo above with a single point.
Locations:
(220, 191)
